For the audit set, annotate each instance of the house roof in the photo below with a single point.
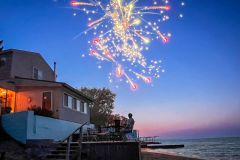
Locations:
(17, 51)
(20, 81)
(26, 82)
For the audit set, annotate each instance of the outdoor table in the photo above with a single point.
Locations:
(114, 132)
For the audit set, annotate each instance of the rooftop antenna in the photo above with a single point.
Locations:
(1, 45)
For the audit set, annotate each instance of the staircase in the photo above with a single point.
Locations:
(69, 150)
(60, 153)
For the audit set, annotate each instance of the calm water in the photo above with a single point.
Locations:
(209, 149)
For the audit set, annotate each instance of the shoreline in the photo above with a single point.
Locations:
(148, 155)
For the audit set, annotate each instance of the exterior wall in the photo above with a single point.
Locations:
(69, 114)
(5, 71)
(73, 116)
(28, 97)
(24, 62)
(57, 100)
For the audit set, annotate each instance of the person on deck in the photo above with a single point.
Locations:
(130, 124)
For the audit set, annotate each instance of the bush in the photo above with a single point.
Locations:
(6, 110)
(41, 111)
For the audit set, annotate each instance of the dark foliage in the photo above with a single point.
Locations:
(41, 111)
(6, 110)
(113, 117)
(103, 105)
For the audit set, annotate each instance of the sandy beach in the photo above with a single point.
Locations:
(148, 155)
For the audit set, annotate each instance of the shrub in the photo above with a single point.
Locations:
(6, 110)
(41, 111)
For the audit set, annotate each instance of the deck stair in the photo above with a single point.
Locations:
(60, 152)
(70, 148)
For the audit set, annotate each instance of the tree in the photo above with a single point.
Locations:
(114, 117)
(102, 106)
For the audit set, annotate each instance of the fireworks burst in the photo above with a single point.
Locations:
(122, 34)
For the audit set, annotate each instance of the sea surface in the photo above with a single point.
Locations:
(207, 148)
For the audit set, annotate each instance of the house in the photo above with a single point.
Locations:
(27, 81)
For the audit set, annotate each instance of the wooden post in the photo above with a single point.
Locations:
(139, 151)
(80, 144)
(68, 147)
(138, 138)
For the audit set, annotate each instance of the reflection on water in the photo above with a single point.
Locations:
(210, 148)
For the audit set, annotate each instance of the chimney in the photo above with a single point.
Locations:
(55, 71)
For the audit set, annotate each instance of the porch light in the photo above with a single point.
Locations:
(29, 99)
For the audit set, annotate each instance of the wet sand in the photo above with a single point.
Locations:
(148, 155)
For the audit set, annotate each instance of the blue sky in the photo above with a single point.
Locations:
(200, 89)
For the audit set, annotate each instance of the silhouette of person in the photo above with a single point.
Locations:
(130, 124)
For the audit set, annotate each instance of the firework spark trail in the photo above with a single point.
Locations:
(164, 38)
(95, 22)
(132, 84)
(157, 8)
(145, 39)
(124, 35)
(98, 56)
(146, 79)
(75, 3)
